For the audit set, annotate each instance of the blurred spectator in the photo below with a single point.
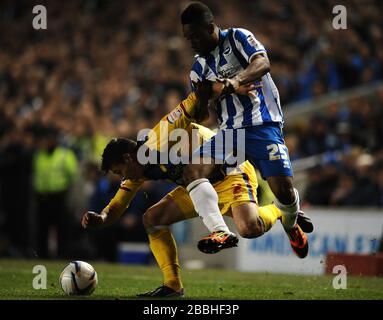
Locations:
(15, 186)
(292, 143)
(54, 170)
(353, 181)
(344, 191)
(367, 191)
(322, 181)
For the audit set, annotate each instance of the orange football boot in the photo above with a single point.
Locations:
(298, 241)
(217, 241)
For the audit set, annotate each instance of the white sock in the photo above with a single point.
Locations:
(205, 200)
(289, 211)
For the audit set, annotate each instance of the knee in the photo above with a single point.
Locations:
(251, 229)
(150, 218)
(285, 194)
(192, 172)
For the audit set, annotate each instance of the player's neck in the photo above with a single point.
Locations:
(213, 42)
(215, 38)
(216, 34)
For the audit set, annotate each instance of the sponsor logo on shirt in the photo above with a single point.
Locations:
(175, 115)
(227, 51)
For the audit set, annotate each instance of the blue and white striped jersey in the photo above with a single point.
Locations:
(235, 49)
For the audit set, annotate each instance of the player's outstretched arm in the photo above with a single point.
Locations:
(114, 210)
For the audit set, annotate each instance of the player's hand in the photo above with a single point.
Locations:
(203, 93)
(247, 89)
(203, 90)
(229, 86)
(92, 220)
(224, 87)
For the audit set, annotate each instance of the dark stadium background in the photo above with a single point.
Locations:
(109, 68)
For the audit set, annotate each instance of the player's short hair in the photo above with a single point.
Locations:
(115, 150)
(196, 12)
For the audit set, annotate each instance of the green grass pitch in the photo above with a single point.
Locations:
(124, 282)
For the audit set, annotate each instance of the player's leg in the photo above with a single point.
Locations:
(253, 221)
(283, 190)
(205, 202)
(266, 148)
(201, 191)
(203, 195)
(237, 188)
(241, 195)
(287, 198)
(157, 220)
(174, 207)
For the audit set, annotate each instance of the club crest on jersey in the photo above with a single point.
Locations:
(251, 40)
(174, 115)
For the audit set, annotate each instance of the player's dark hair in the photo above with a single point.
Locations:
(196, 12)
(115, 150)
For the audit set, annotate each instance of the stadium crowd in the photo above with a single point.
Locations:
(348, 137)
(110, 68)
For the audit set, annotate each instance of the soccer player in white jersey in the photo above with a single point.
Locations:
(235, 57)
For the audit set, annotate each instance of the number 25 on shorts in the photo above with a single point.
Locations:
(277, 152)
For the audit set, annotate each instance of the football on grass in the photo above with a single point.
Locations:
(78, 278)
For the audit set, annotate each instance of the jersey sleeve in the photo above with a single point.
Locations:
(200, 72)
(196, 74)
(124, 196)
(179, 118)
(204, 134)
(247, 44)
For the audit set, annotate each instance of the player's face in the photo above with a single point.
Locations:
(129, 169)
(200, 36)
(119, 170)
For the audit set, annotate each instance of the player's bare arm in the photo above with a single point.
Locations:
(258, 67)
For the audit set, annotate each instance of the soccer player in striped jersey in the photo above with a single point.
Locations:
(234, 57)
(236, 194)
